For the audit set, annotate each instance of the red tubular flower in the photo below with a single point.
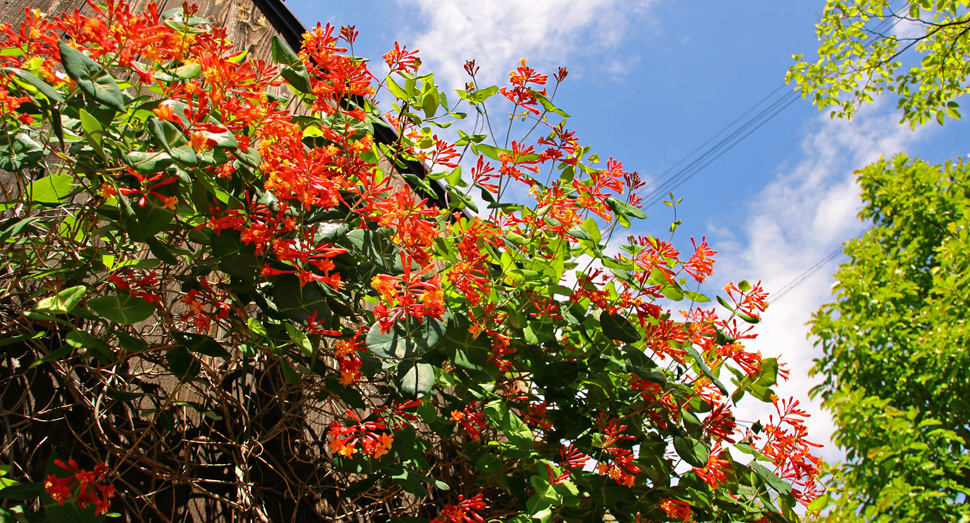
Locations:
(348, 33)
(700, 265)
(713, 472)
(395, 415)
(147, 187)
(790, 451)
(400, 59)
(474, 422)
(408, 296)
(466, 511)
(751, 303)
(572, 458)
(344, 440)
(82, 485)
(676, 508)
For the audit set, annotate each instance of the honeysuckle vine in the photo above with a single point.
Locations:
(175, 202)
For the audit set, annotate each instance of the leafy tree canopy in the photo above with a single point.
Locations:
(894, 357)
(894, 344)
(859, 57)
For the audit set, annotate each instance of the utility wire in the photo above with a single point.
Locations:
(695, 166)
(807, 273)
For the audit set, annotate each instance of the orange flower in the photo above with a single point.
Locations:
(165, 112)
(169, 202)
(676, 508)
(340, 446)
(198, 141)
(107, 191)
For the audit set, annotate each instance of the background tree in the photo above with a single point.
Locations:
(860, 57)
(895, 342)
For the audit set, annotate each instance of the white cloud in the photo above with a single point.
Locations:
(796, 221)
(498, 33)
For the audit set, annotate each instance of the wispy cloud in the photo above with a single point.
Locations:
(497, 33)
(796, 221)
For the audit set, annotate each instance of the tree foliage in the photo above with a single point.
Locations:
(217, 296)
(860, 57)
(895, 360)
(894, 343)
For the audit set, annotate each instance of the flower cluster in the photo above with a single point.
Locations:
(344, 440)
(787, 446)
(290, 232)
(466, 511)
(82, 486)
(473, 421)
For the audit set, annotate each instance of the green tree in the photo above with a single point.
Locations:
(860, 51)
(894, 347)
(894, 357)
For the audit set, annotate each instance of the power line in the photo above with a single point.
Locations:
(807, 273)
(727, 143)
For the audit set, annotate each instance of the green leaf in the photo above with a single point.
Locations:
(256, 327)
(548, 105)
(91, 77)
(22, 491)
(299, 339)
(491, 152)
(282, 54)
(93, 129)
(122, 308)
(160, 250)
(479, 96)
(516, 430)
(145, 222)
(460, 201)
(149, 162)
(51, 189)
(245, 266)
(299, 302)
(289, 374)
(63, 302)
(23, 337)
(691, 450)
(100, 350)
(183, 27)
(464, 350)
(405, 341)
(624, 209)
(415, 379)
(702, 365)
(37, 83)
(19, 151)
(771, 478)
(188, 71)
(619, 328)
(184, 365)
(201, 344)
(130, 343)
(411, 482)
(53, 356)
(396, 89)
(430, 105)
(298, 78)
(580, 232)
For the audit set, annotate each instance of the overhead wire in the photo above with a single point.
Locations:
(727, 143)
(695, 166)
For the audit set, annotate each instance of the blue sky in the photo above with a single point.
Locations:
(650, 81)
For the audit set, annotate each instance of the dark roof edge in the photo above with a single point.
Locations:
(291, 30)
